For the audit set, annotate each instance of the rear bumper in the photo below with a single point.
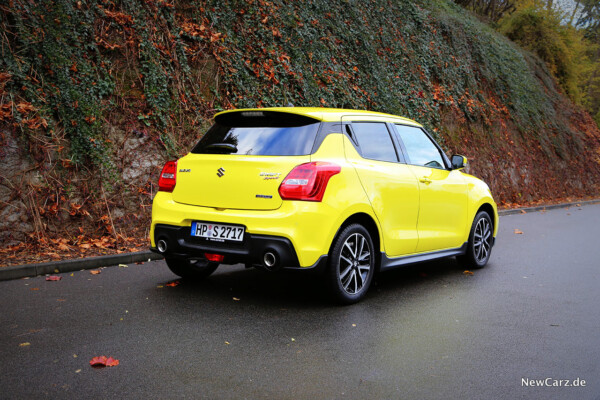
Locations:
(308, 227)
(181, 244)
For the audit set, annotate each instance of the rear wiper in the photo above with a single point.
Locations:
(222, 146)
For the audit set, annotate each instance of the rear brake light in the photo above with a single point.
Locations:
(214, 257)
(308, 181)
(168, 176)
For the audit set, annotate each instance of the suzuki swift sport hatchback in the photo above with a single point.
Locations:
(350, 192)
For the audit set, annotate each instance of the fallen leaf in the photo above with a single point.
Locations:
(227, 343)
(98, 361)
(518, 232)
(354, 325)
(123, 266)
(236, 299)
(53, 278)
(35, 288)
(293, 340)
(94, 271)
(172, 284)
(63, 247)
(523, 212)
(160, 286)
(77, 371)
(24, 344)
(25, 107)
(103, 361)
(111, 362)
(467, 272)
(578, 205)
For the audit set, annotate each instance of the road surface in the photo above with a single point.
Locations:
(427, 331)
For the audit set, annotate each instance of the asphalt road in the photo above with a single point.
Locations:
(424, 332)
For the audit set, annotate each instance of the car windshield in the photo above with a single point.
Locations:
(267, 135)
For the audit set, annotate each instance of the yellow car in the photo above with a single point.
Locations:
(350, 192)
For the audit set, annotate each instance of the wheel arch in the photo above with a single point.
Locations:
(370, 225)
(487, 207)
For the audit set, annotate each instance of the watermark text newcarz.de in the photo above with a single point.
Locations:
(553, 382)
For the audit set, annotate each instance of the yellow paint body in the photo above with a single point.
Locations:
(416, 209)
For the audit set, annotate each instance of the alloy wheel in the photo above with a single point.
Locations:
(355, 263)
(482, 240)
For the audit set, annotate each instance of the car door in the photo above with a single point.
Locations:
(443, 192)
(391, 187)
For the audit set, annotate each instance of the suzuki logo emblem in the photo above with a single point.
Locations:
(220, 172)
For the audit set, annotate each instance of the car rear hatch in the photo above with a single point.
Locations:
(240, 162)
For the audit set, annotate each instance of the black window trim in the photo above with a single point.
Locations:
(399, 154)
(325, 130)
(435, 143)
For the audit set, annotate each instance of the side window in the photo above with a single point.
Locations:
(421, 150)
(374, 141)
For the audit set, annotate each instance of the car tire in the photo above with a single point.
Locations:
(191, 269)
(479, 247)
(351, 264)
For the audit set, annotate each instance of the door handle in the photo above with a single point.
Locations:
(425, 180)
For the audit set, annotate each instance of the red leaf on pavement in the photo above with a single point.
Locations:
(111, 362)
(103, 361)
(95, 271)
(98, 361)
(172, 284)
(53, 278)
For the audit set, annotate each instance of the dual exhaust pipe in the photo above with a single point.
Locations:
(270, 259)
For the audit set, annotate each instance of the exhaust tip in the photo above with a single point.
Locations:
(269, 260)
(161, 246)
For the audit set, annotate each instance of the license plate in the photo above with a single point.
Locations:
(218, 232)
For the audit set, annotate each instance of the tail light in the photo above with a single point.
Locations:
(308, 181)
(168, 176)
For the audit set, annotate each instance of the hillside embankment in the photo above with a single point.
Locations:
(96, 95)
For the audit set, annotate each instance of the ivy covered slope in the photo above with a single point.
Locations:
(95, 95)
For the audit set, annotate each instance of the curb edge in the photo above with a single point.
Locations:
(61, 266)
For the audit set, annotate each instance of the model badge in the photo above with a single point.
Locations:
(263, 196)
(220, 172)
(269, 175)
(185, 170)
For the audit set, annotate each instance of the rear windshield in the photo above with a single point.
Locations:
(259, 134)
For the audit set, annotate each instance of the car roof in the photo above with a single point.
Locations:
(330, 114)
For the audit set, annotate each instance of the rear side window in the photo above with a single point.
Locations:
(374, 141)
(421, 150)
(260, 134)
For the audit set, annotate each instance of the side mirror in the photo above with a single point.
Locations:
(458, 162)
